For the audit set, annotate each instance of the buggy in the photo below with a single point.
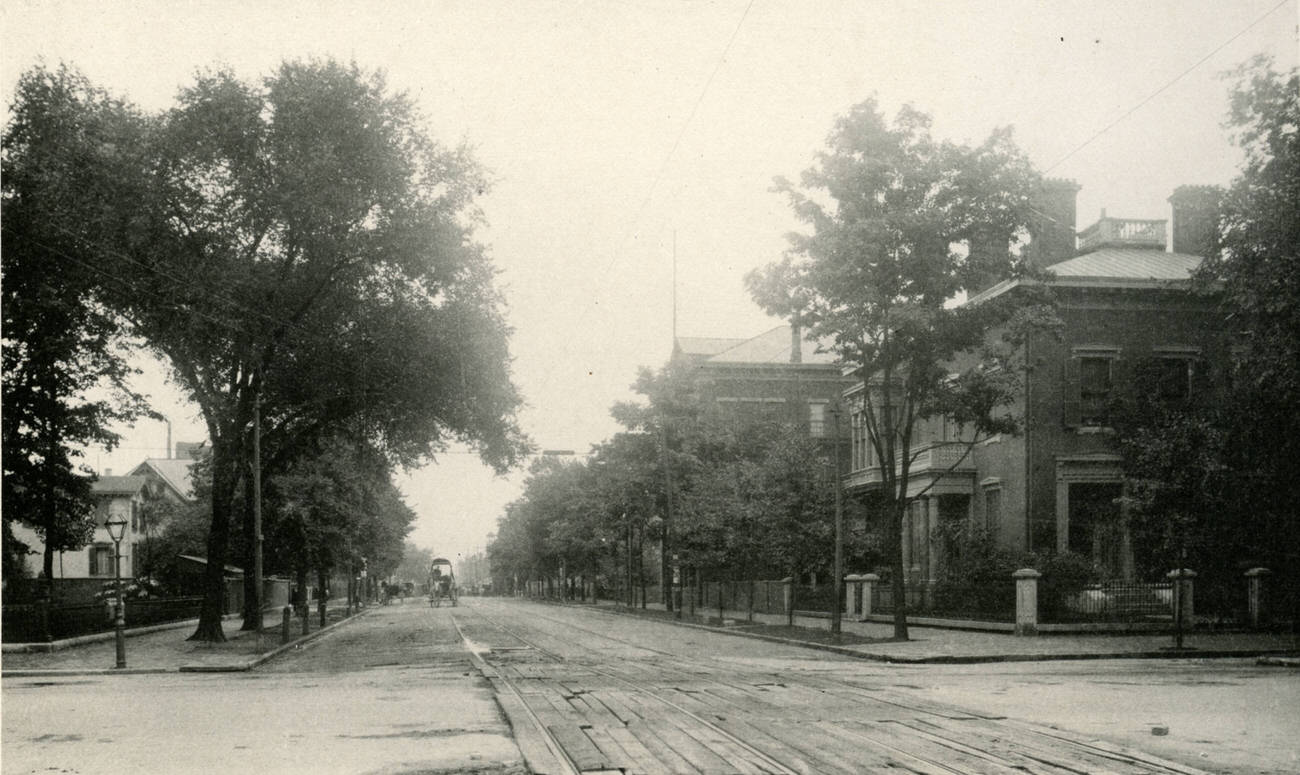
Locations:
(442, 582)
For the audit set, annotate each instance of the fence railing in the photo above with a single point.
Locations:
(1223, 600)
(23, 623)
(1108, 602)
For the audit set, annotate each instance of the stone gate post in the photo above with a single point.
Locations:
(1026, 601)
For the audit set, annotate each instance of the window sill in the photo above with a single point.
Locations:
(1094, 430)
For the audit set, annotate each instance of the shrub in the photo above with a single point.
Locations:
(1064, 575)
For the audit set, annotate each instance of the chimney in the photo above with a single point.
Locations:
(1195, 211)
(108, 472)
(796, 340)
(1052, 224)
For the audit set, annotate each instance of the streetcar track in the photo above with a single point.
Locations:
(824, 681)
(974, 739)
(557, 750)
(763, 758)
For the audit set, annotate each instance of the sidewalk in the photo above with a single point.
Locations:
(165, 651)
(873, 640)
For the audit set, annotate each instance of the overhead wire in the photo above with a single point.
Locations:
(672, 151)
(1165, 87)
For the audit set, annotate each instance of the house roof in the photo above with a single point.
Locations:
(769, 347)
(1129, 263)
(1110, 268)
(117, 485)
(705, 346)
(176, 473)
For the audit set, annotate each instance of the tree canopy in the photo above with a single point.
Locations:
(900, 224)
(65, 373)
(1212, 482)
(299, 247)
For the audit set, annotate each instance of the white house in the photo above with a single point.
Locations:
(114, 496)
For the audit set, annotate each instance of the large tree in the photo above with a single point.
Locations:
(900, 225)
(298, 248)
(64, 358)
(1213, 485)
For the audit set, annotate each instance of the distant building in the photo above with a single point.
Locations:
(778, 375)
(171, 477)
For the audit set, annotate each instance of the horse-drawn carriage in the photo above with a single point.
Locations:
(442, 582)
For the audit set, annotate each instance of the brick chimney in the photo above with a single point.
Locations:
(796, 340)
(1195, 212)
(1053, 223)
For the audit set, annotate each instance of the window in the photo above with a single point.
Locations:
(1094, 389)
(992, 508)
(817, 420)
(1173, 379)
(862, 452)
(101, 560)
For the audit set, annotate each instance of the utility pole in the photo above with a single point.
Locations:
(257, 507)
(665, 556)
(837, 606)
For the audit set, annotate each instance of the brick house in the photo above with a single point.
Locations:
(778, 375)
(1057, 486)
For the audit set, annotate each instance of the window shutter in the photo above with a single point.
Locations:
(1200, 380)
(1071, 404)
(93, 561)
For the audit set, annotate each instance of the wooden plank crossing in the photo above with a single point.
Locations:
(716, 727)
(702, 717)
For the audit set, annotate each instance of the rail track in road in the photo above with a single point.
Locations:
(605, 703)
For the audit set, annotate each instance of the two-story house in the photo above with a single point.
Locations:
(778, 375)
(79, 573)
(1058, 486)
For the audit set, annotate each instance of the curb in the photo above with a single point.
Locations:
(249, 664)
(72, 672)
(237, 667)
(1266, 655)
(1279, 661)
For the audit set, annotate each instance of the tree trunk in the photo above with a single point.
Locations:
(300, 578)
(252, 595)
(225, 477)
(640, 562)
(894, 512)
(47, 598)
(322, 589)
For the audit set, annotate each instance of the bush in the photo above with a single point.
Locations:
(976, 576)
(1064, 575)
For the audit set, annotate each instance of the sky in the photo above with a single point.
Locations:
(622, 134)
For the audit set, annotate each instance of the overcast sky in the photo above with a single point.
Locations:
(616, 129)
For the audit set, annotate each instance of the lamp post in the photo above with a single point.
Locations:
(838, 586)
(116, 525)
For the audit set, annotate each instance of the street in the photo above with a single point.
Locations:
(499, 684)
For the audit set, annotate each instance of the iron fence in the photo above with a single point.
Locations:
(1112, 601)
(23, 623)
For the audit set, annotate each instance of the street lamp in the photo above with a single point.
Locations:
(116, 525)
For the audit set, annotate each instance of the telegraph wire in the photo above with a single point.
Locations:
(663, 166)
(1166, 86)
